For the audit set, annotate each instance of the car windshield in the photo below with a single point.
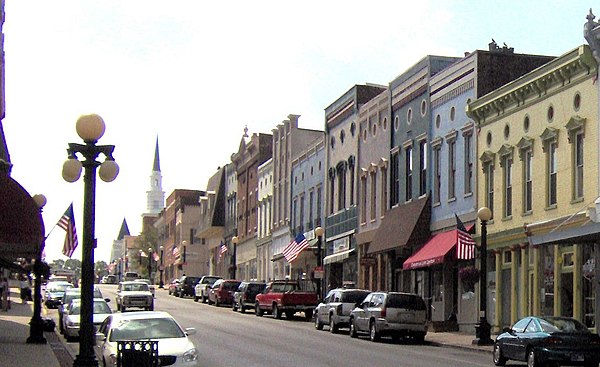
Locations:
(135, 287)
(256, 287)
(231, 286)
(210, 281)
(353, 296)
(562, 324)
(99, 308)
(407, 301)
(59, 287)
(138, 329)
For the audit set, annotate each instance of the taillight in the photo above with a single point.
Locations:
(383, 312)
(553, 340)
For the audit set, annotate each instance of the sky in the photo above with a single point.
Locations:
(195, 73)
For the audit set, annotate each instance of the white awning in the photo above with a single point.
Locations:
(337, 257)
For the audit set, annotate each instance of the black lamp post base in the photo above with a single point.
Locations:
(36, 332)
(482, 333)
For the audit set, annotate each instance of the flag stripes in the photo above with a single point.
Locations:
(67, 222)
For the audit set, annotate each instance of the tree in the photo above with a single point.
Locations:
(101, 269)
(147, 239)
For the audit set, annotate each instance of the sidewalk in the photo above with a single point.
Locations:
(457, 340)
(14, 330)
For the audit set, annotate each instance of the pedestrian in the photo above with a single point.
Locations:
(25, 289)
(5, 290)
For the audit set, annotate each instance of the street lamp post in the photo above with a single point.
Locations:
(36, 330)
(150, 264)
(235, 241)
(162, 282)
(90, 128)
(483, 328)
(140, 260)
(319, 232)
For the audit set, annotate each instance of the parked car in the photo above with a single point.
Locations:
(186, 286)
(541, 341)
(287, 296)
(336, 307)
(110, 279)
(54, 292)
(134, 294)
(174, 347)
(130, 275)
(173, 287)
(203, 286)
(222, 292)
(71, 294)
(150, 285)
(101, 311)
(392, 314)
(245, 296)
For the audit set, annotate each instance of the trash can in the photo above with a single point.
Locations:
(137, 353)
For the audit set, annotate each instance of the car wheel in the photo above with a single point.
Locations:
(419, 338)
(373, 334)
(333, 328)
(499, 359)
(195, 299)
(257, 311)
(308, 315)
(318, 324)
(234, 307)
(217, 303)
(531, 358)
(289, 314)
(353, 333)
(242, 308)
(276, 312)
(203, 299)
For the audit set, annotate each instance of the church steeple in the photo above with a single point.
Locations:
(124, 231)
(156, 166)
(156, 196)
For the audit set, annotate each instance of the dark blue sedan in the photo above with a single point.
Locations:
(553, 341)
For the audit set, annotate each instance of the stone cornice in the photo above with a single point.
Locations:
(575, 65)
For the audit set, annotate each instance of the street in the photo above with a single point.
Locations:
(227, 338)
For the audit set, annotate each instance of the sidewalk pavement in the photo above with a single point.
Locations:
(15, 352)
(14, 331)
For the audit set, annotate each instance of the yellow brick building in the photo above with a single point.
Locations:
(538, 172)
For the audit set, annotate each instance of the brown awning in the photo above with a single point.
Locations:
(402, 225)
(365, 237)
(21, 226)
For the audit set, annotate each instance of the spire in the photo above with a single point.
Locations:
(156, 166)
(124, 231)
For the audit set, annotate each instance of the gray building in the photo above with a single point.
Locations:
(308, 174)
(373, 171)
(341, 150)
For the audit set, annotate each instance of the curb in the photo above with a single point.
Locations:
(463, 347)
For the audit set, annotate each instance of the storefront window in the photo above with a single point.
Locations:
(438, 286)
(589, 301)
(548, 300)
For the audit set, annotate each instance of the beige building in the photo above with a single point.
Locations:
(538, 152)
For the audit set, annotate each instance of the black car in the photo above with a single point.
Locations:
(541, 341)
(245, 296)
(186, 286)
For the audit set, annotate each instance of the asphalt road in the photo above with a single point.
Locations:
(227, 338)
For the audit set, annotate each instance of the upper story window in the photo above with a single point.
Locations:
(526, 155)
(550, 146)
(576, 131)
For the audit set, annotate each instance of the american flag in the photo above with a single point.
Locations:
(465, 246)
(293, 249)
(175, 251)
(67, 222)
(222, 251)
(155, 256)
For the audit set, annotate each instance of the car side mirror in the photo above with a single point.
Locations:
(190, 331)
(506, 329)
(100, 337)
(107, 300)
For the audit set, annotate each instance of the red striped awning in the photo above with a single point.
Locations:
(434, 251)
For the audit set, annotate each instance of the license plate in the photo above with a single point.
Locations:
(577, 358)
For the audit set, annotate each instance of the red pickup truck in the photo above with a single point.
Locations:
(286, 296)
